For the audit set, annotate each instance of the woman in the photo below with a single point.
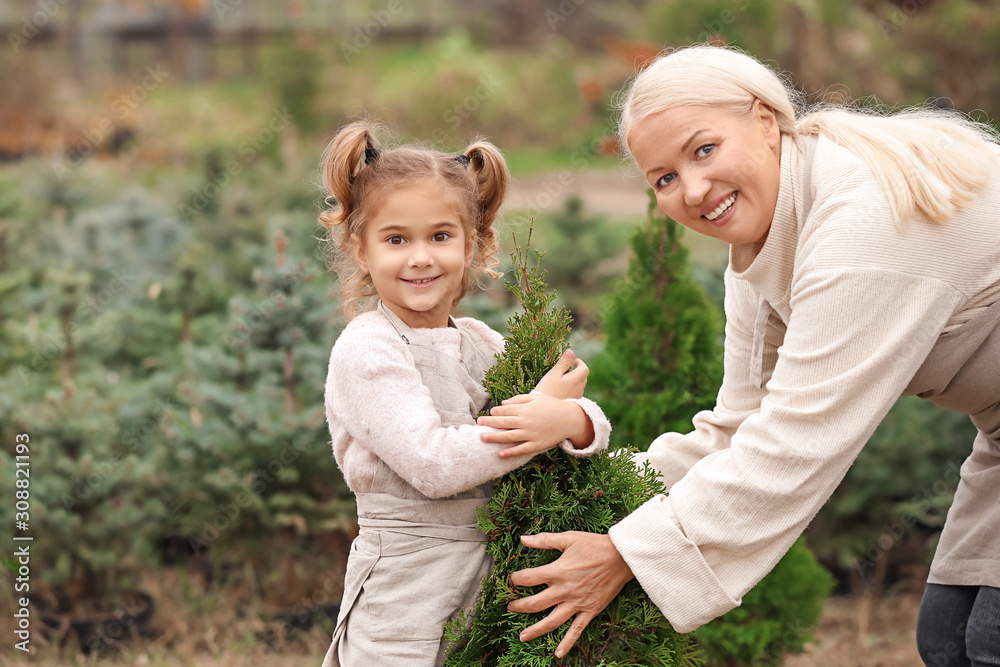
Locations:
(864, 265)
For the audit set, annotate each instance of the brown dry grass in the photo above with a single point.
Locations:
(193, 641)
(859, 632)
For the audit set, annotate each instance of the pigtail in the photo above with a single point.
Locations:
(492, 180)
(342, 160)
(347, 156)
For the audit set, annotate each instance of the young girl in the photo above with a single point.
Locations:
(412, 227)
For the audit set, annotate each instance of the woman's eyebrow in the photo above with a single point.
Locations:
(692, 138)
(684, 147)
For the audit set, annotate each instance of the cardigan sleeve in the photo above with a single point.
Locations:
(673, 454)
(376, 393)
(854, 340)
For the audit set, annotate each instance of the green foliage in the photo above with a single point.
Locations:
(777, 617)
(294, 74)
(553, 493)
(578, 247)
(662, 361)
(169, 389)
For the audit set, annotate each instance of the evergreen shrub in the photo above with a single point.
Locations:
(553, 493)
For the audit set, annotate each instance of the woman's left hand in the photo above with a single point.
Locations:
(581, 583)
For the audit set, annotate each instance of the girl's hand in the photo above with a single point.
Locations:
(567, 379)
(535, 423)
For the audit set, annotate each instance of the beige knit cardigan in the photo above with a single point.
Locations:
(827, 323)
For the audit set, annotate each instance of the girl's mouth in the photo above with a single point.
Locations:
(421, 281)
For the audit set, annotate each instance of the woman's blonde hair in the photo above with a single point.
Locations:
(358, 175)
(930, 162)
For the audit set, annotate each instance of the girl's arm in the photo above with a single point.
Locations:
(375, 393)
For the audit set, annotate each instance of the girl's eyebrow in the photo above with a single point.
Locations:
(393, 227)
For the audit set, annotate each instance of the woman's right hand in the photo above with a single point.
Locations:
(567, 379)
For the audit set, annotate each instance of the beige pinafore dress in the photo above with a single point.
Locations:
(416, 561)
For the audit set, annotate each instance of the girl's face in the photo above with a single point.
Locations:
(416, 250)
(713, 171)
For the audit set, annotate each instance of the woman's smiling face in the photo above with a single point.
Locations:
(713, 171)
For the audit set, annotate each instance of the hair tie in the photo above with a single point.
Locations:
(465, 160)
(370, 154)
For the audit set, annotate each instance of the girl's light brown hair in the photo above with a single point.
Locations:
(358, 175)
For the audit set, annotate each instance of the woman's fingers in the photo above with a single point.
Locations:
(541, 601)
(574, 632)
(558, 541)
(581, 582)
(550, 623)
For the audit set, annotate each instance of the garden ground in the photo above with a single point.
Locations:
(840, 641)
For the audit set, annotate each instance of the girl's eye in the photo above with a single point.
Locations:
(441, 237)
(396, 239)
(704, 150)
(664, 180)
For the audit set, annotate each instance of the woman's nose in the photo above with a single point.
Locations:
(695, 189)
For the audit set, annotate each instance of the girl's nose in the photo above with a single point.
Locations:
(420, 256)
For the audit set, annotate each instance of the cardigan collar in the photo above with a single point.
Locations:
(768, 267)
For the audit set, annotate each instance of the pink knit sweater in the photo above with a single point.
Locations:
(377, 407)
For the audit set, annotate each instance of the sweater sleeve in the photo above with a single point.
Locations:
(376, 393)
(854, 340)
(673, 454)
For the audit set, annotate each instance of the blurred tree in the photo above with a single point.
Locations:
(580, 250)
(662, 360)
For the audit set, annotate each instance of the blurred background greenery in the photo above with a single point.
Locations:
(166, 316)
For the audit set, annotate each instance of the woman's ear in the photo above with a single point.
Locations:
(359, 253)
(768, 120)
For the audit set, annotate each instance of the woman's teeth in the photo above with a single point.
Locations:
(721, 208)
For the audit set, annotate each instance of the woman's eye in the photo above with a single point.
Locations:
(704, 150)
(395, 240)
(664, 180)
(441, 237)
